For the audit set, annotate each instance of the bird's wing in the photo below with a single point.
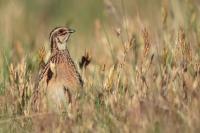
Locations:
(42, 76)
(43, 73)
(36, 92)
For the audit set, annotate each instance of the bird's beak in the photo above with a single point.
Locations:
(71, 31)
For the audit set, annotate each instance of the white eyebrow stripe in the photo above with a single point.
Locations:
(52, 32)
(55, 30)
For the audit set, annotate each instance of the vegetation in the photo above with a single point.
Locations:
(142, 70)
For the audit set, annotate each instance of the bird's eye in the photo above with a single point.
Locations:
(61, 31)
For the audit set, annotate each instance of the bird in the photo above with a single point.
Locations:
(59, 77)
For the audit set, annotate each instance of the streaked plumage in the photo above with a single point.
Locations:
(59, 76)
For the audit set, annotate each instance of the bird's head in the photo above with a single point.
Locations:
(59, 36)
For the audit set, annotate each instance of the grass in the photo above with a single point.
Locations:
(142, 72)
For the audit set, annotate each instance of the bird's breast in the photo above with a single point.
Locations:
(56, 96)
(67, 75)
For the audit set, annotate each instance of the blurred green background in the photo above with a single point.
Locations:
(25, 20)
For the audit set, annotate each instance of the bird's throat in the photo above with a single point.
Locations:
(61, 46)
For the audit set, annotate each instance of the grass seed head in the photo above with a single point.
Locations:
(41, 56)
(147, 43)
